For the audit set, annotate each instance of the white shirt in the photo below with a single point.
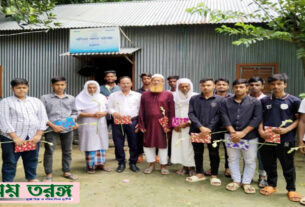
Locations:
(24, 117)
(302, 111)
(128, 105)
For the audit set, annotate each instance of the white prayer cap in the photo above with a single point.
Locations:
(158, 76)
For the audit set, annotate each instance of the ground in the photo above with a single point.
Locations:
(108, 189)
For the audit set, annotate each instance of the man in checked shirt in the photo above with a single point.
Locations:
(22, 118)
(59, 106)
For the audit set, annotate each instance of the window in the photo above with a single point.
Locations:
(264, 71)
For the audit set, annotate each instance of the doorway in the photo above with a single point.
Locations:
(123, 65)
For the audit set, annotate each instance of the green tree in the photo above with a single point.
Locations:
(35, 12)
(283, 20)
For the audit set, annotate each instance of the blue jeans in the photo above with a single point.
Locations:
(10, 159)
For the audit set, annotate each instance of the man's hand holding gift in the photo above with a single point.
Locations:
(204, 131)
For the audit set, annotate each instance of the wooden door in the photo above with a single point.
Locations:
(264, 71)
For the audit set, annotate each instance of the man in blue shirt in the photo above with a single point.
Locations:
(110, 86)
(277, 109)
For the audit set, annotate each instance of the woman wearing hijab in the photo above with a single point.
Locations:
(182, 149)
(93, 135)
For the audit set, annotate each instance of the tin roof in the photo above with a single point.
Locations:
(136, 13)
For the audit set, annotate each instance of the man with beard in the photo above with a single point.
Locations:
(156, 104)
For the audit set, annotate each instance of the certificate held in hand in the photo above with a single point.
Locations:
(67, 123)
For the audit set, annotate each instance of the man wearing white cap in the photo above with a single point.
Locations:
(156, 106)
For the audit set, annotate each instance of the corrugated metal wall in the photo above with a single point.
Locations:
(36, 58)
(189, 51)
(197, 52)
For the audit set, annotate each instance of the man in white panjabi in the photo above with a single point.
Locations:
(182, 149)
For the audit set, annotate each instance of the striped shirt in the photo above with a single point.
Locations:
(24, 117)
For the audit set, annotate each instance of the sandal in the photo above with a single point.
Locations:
(91, 171)
(194, 179)
(191, 172)
(215, 181)
(208, 173)
(262, 183)
(149, 170)
(70, 177)
(233, 186)
(302, 201)
(268, 190)
(249, 189)
(164, 171)
(294, 196)
(182, 171)
(227, 173)
(103, 168)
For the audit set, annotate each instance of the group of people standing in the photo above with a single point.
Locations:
(146, 117)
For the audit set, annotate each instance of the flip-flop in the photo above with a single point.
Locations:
(268, 190)
(233, 186)
(149, 170)
(182, 172)
(215, 182)
(294, 196)
(249, 189)
(192, 172)
(71, 177)
(227, 174)
(194, 179)
(164, 171)
(262, 183)
(103, 168)
(302, 201)
(208, 173)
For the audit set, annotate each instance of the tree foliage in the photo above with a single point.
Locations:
(31, 12)
(282, 20)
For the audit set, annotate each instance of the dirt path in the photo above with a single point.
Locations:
(108, 189)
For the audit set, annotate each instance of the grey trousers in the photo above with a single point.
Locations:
(66, 148)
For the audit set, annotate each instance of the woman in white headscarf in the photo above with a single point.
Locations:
(182, 149)
(93, 134)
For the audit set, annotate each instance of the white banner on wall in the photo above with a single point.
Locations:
(105, 39)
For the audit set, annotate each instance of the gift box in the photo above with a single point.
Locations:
(67, 123)
(195, 137)
(28, 146)
(243, 144)
(177, 121)
(274, 138)
(123, 120)
(164, 122)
